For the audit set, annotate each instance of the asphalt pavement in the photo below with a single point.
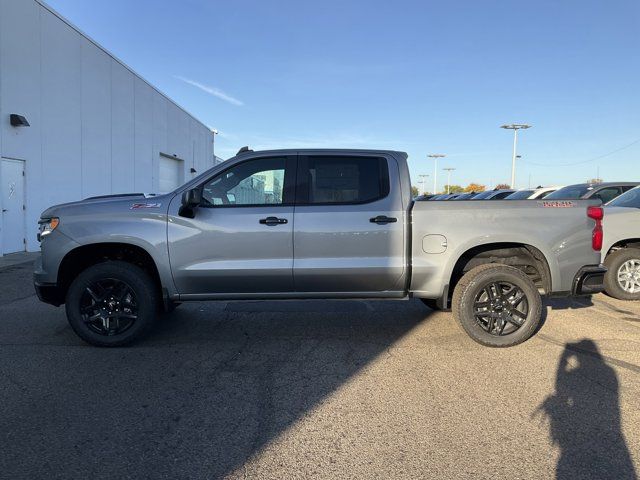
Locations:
(318, 389)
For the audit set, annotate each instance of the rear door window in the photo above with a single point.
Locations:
(607, 194)
(342, 180)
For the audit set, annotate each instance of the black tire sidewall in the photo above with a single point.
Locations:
(143, 288)
(613, 262)
(474, 283)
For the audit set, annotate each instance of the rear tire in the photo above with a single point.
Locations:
(622, 280)
(497, 305)
(112, 304)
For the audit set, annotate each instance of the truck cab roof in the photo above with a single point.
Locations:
(328, 151)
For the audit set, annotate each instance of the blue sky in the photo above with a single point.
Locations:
(422, 77)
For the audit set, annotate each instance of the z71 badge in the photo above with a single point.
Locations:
(137, 206)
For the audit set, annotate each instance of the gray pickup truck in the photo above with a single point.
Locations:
(314, 224)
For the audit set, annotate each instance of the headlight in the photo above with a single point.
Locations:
(46, 226)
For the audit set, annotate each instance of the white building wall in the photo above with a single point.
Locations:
(96, 127)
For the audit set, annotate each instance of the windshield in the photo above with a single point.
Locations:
(482, 195)
(569, 193)
(464, 196)
(520, 195)
(630, 199)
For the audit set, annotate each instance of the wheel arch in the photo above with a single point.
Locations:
(85, 256)
(626, 243)
(531, 260)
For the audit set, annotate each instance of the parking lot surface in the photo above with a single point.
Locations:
(318, 389)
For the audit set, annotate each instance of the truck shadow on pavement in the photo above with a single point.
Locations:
(568, 303)
(584, 417)
(206, 392)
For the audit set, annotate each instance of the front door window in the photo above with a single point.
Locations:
(253, 183)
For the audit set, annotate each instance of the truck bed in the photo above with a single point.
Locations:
(445, 233)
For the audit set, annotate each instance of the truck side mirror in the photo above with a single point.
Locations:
(190, 201)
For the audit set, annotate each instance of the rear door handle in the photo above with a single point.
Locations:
(383, 219)
(271, 221)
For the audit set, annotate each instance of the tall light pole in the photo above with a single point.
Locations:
(515, 127)
(423, 181)
(448, 170)
(435, 157)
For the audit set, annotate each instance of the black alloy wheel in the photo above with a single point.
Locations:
(109, 306)
(497, 305)
(112, 304)
(500, 308)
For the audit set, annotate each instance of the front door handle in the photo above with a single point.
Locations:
(271, 221)
(383, 219)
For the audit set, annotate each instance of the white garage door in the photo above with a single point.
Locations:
(171, 174)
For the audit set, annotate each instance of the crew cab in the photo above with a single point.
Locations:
(314, 224)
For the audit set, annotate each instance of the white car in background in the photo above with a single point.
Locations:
(621, 247)
(532, 193)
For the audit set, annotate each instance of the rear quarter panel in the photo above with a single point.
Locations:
(620, 223)
(562, 234)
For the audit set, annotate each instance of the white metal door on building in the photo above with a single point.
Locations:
(13, 213)
(171, 174)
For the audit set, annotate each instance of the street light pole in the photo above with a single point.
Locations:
(423, 181)
(449, 170)
(515, 127)
(435, 157)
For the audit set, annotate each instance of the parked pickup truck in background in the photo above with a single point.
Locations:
(314, 224)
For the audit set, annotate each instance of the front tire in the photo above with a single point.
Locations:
(112, 304)
(497, 305)
(622, 280)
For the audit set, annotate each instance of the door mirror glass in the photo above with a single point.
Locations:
(191, 199)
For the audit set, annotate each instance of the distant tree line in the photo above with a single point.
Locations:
(472, 187)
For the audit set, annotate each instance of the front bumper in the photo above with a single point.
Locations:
(53, 249)
(589, 280)
(49, 293)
